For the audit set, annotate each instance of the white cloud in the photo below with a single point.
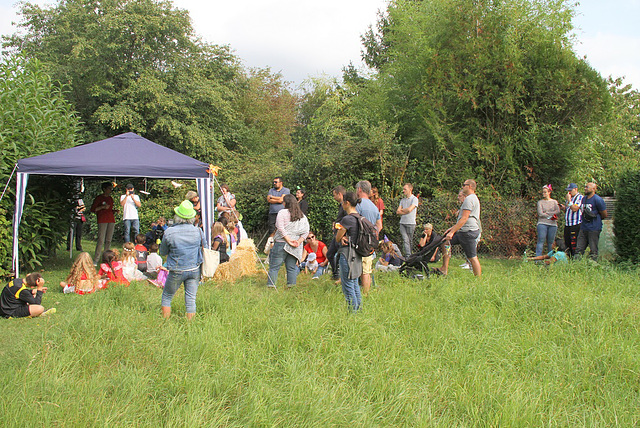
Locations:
(303, 38)
(613, 55)
(296, 37)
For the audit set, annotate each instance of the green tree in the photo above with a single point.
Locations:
(137, 66)
(35, 119)
(489, 89)
(614, 147)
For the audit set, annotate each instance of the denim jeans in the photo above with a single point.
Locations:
(545, 233)
(128, 225)
(406, 231)
(277, 256)
(191, 279)
(320, 271)
(350, 287)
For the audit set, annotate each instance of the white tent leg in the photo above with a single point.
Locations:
(21, 186)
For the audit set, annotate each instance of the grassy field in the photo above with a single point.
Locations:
(523, 346)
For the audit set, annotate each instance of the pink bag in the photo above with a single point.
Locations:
(161, 279)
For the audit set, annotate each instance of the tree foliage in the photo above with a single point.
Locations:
(626, 225)
(138, 66)
(35, 119)
(614, 146)
(490, 89)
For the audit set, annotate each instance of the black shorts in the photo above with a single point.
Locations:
(272, 222)
(20, 312)
(468, 242)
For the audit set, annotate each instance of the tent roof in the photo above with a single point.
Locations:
(125, 155)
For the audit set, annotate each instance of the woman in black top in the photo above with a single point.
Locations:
(350, 262)
(302, 202)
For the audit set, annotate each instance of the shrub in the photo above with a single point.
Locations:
(625, 222)
(34, 119)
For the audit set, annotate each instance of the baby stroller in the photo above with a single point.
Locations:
(416, 265)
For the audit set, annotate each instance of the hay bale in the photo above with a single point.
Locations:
(241, 263)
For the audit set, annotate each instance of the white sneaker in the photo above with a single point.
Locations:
(466, 266)
(268, 245)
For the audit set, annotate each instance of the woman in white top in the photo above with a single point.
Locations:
(292, 229)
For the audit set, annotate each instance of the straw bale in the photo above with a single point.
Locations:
(241, 263)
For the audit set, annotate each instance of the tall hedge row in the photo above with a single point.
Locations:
(626, 222)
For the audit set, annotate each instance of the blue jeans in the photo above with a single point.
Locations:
(320, 271)
(128, 225)
(350, 287)
(277, 256)
(545, 233)
(191, 279)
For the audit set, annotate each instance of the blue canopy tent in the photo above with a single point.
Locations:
(118, 156)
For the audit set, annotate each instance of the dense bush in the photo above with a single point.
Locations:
(508, 224)
(34, 119)
(626, 225)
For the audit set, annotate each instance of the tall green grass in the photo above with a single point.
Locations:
(525, 345)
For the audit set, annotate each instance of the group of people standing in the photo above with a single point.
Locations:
(290, 230)
(583, 215)
(104, 209)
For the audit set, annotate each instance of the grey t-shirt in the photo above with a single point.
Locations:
(406, 203)
(472, 204)
(275, 208)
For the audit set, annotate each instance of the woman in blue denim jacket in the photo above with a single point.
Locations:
(182, 243)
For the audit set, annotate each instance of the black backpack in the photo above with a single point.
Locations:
(367, 241)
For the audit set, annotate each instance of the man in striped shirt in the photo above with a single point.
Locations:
(572, 218)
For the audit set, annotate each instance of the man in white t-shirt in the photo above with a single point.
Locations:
(130, 203)
(466, 230)
(407, 210)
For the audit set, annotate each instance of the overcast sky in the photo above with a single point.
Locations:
(303, 38)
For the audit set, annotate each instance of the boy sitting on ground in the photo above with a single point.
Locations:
(557, 253)
(154, 262)
(141, 253)
(22, 297)
(155, 234)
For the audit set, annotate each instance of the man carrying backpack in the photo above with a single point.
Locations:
(466, 230)
(368, 210)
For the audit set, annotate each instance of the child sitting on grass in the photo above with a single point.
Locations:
(23, 297)
(390, 259)
(557, 253)
(129, 265)
(154, 261)
(111, 269)
(311, 265)
(141, 253)
(82, 278)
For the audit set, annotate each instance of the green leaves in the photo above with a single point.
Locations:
(34, 119)
(491, 89)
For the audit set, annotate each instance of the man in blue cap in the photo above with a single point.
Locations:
(572, 218)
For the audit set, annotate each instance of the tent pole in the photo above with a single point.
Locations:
(8, 181)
